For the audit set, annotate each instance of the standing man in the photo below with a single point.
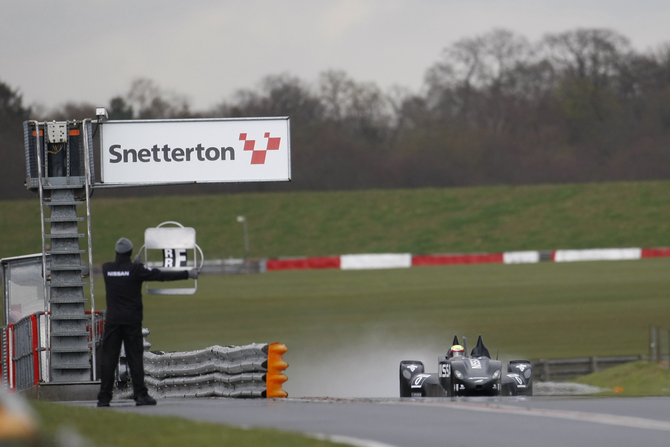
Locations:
(123, 282)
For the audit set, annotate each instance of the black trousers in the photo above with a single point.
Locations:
(131, 337)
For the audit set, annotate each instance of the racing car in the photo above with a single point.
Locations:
(461, 375)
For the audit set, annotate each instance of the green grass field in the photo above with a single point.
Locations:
(486, 219)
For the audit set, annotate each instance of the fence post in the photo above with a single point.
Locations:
(664, 348)
(653, 344)
(594, 364)
(545, 370)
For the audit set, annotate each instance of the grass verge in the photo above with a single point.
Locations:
(106, 427)
(631, 379)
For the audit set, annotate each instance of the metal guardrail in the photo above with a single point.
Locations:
(234, 266)
(218, 267)
(228, 360)
(254, 370)
(563, 369)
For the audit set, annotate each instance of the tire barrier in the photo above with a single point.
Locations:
(251, 371)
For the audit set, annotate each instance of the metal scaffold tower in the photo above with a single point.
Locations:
(59, 159)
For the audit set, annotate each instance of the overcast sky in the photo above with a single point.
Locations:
(55, 51)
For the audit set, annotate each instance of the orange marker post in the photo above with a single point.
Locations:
(275, 378)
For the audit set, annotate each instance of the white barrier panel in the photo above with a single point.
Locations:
(521, 257)
(162, 152)
(600, 254)
(375, 261)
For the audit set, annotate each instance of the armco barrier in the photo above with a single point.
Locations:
(405, 260)
(376, 261)
(325, 262)
(253, 370)
(655, 252)
(598, 254)
(457, 259)
(564, 369)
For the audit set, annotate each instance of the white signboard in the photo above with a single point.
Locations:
(153, 152)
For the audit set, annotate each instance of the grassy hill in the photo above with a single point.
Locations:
(484, 219)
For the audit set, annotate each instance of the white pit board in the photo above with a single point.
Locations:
(162, 152)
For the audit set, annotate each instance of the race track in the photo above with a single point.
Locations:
(537, 421)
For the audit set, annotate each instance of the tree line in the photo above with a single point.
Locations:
(577, 106)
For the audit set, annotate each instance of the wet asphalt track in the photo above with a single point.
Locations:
(537, 421)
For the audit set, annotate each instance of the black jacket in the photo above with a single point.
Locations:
(123, 281)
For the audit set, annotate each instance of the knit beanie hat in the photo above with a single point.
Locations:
(123, 246)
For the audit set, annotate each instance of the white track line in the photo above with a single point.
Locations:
(598, 418)
(355, 442)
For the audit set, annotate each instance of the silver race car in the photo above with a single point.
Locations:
(459, 374)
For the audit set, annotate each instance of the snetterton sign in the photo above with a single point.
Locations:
(159, 152)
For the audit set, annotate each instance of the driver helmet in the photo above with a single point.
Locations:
(456, 351)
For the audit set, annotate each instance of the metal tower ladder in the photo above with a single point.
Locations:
(63, 185)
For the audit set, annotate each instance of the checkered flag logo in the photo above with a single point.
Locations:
(258, 154)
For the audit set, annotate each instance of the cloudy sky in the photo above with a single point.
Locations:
(55, 51)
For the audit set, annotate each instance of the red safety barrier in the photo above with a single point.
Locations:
(36, 350)
(325, 262)
(655, 252)
(7, 363)
(484, 258)
(98, 328)
(333, 262)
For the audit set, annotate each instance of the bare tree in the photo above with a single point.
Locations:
(335, 89)
(594, 54)
(148, 100)
(71, 111)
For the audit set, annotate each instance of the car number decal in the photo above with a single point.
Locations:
(445, 370)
